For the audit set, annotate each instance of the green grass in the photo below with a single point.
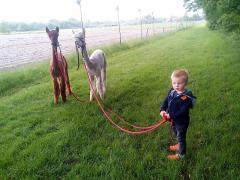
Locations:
(40, 140)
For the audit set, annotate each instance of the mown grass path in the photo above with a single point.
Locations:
(74, 141)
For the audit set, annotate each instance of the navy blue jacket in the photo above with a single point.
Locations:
(178, 105)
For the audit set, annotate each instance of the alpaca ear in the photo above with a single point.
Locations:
(47, 30)
(57, 29)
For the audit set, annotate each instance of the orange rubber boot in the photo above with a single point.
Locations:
(174, 147)
(174, 157)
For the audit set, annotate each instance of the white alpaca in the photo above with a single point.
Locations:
(96, 66)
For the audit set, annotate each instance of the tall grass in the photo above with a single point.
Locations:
(40, 140)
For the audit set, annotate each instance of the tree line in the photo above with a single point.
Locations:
(7, 27)
(220, 14)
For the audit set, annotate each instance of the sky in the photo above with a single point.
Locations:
(93, 10)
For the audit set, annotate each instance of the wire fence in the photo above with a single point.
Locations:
(24, 48)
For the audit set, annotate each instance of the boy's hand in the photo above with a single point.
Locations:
(167, 115)
(162, 113)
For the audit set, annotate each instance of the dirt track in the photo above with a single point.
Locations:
(20, 49)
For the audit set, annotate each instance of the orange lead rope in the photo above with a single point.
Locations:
(143, 129)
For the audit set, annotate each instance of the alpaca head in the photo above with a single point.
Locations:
(80, 39)
(53, 36)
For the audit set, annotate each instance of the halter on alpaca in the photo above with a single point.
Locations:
(58, 68)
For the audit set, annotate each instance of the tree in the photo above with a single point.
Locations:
(220, 14)
(4, 27)
(148, 19)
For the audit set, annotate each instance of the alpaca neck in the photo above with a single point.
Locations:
(86, 57)
(55, 66)
(54, 57)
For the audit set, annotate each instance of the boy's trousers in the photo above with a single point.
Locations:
(180, 132)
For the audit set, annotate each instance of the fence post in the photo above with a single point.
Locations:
(140, 12)
(119, 29)
(153, 24)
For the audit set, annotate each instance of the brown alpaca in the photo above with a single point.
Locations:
(58, 68)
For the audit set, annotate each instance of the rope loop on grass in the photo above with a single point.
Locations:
(142, 130)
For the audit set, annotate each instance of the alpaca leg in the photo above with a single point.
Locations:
(92, 89)
(55, 90)
(67, 80)
(63, 89)
(103, 77)
(98, 83)
(100, 87)
(103, 88)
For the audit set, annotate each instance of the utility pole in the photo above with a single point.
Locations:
(79, 3)
(140, 12)
(119, 29)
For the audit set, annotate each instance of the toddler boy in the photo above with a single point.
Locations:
(176, 108)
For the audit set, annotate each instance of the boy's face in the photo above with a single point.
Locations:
(178, 84)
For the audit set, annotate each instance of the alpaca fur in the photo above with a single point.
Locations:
(58, 68)
(96, 65)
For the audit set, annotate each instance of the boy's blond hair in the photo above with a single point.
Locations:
(180, 73)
